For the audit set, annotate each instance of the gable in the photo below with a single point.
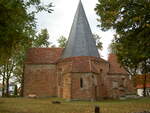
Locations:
(115, 67)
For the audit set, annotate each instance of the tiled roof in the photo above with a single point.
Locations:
(115, 67)
(43, 55)
(142, 86)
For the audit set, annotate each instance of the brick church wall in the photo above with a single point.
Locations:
(117, 79)
(118, 85)
(92, 86)
(61, 77)
(86, 92)
(67, 83)
(59, 72)
(103, 67)
(71, 70)
(40, 80)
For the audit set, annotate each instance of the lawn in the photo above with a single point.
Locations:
(26, 105)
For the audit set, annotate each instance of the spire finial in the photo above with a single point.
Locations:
(80, 2)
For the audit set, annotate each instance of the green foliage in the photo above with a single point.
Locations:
(17, 23)
(17, 34)
(123, 15)
(13, 18)
(42, 39)
(131, 20)
(99, 44)
(62, 41)
(16, 90)
(112, 48)
(13, 68)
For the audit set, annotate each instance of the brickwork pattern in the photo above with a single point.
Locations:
(40, 80)
(61, 77)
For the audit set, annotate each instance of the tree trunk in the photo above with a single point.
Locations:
(22, 83)
(7, 87)
(144, 83)
(3, 86)
(144, 86)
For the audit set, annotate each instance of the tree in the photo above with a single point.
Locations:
(2, 75)
(16, 90)
(14, 67)
(99, 44)
(62, 41)
(17, 32)
(11, 66)
(125, 57)
(131, 58)
(42, 39)
(123, 15)
(17, 23)
(130, 19)
(112, 48)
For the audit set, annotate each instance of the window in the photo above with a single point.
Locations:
(81, 82)
(101, 70)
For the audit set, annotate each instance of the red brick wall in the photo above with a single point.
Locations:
(91, 69)
(63, 79)
(40, 80)
(115, 66)
(124, 85)
(67, 83)
(92, 86)
(81, 64)
(85, 93)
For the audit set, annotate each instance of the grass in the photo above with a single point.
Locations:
(26, 105)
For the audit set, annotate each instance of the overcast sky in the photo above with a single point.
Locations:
(60, 20)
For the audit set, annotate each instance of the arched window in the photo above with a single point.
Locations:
(101, 70)
(81, 82)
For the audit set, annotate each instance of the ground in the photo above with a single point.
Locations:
(26, 105)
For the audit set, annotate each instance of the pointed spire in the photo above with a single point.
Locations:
(81, 41)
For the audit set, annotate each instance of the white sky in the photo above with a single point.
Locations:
(60, 20)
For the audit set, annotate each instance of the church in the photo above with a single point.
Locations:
(76, 72)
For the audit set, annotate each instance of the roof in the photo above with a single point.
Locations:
(81, 41)
(43, 55)
(139, 86)
(115, 67)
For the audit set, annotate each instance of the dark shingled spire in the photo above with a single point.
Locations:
(81, 41)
